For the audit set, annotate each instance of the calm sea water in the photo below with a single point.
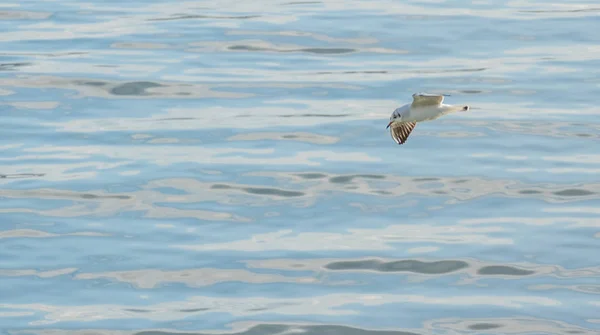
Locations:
(223, 168)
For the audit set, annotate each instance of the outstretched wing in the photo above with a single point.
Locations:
(401, 130)
(424, 99)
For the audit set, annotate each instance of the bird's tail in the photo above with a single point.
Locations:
(454, 108)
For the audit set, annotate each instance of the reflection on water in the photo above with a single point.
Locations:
(460, 326)
(224, 168)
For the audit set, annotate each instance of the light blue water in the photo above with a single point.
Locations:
(223, 168)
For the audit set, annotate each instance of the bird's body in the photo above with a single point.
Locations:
(425, 107)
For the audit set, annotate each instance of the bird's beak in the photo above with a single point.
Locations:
(389, 124)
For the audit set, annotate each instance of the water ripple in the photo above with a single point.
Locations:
(224, 168)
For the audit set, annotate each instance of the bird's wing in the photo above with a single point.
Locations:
(424, 99)
(401, 130)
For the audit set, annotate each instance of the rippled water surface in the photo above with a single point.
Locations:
(223, 168)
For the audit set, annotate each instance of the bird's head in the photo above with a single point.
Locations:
(396, 116)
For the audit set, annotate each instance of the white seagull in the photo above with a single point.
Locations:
(424, 107)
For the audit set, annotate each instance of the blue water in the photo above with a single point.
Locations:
(223, 168)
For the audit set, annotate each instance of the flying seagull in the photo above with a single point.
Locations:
(425, 107)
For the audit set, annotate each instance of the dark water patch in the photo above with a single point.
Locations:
(43, 54)
(366, 72)
(94, 196)
(371, 176)
(273, 191)
(595, 289)
(573, 192)
(302, 3)
(347, 179)
(416, 71)
(471, 91)
(134, 88)
(437, 267)
(94, 83)
(170, 190)
(426, 179)
(192, 17)
(273, 329)
(21, 175)
(328, 50)
(484, 326)
(529, 192)
(12, 66)
(320, 51)
(63, 54)
(503, 270)
(311, 175)
(353, 72)
(583, 10)
(194, 310)
(382, 192)
(58, 194)
(479, 69)
(176, 119)
(354, 265)
(341, 179)
(316, 115)
(248, 48)
(220, 187)
(23, 15)
(257, 309)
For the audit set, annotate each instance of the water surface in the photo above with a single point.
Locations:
(223, 168)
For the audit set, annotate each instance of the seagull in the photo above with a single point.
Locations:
(425, 107)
